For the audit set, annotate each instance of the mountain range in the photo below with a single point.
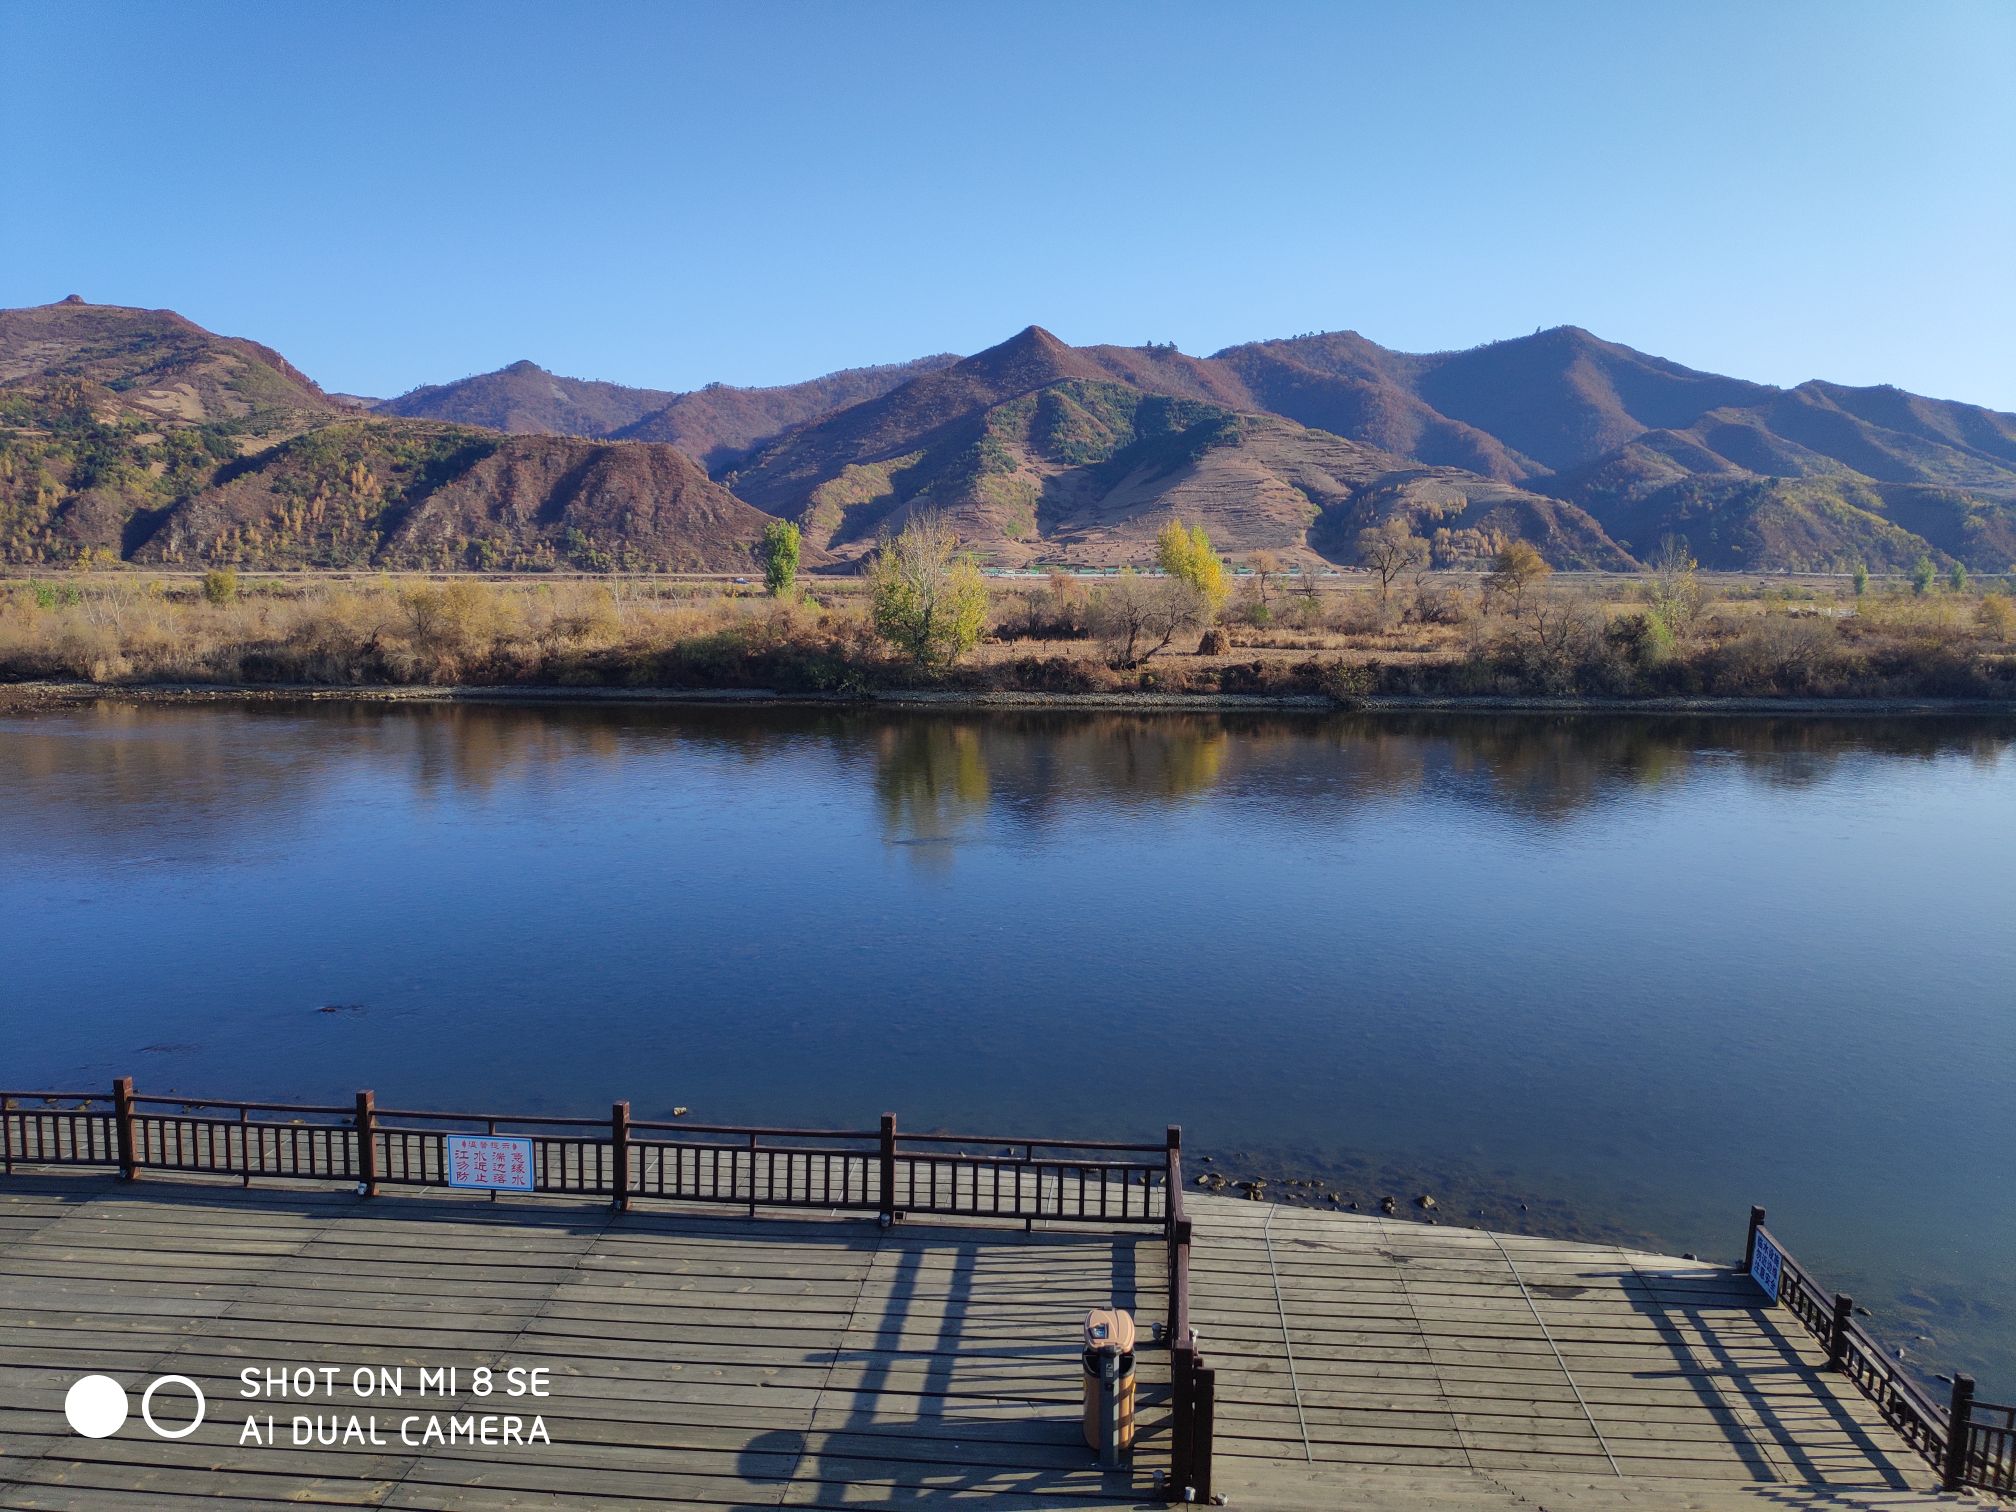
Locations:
(137, 434)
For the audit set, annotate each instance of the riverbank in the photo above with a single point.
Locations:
(29, 695)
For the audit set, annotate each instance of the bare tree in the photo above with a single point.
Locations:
(1136, 617)
(1266, 567)
(1389, 549)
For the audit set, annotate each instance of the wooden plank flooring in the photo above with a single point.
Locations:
(1372, 1362)
(697, 1359)
(707, 1359)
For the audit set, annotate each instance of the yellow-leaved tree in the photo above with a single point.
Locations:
(1184, 552)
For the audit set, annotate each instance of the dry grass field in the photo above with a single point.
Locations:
(1448, 634)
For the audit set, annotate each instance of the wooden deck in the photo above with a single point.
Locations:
(696, 1359)
(708, 1359)
(1385, 1363)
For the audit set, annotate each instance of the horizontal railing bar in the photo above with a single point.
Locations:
(1015, 1162)
(743, 1148)
(250, 1107)
(744, 1130)
(512, 1118)
(1041, 1144)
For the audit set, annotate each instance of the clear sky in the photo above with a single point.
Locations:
(667, 194)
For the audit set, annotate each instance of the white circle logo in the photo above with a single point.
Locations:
(96, 1406)
(147, 1406)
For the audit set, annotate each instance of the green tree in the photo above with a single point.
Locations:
(220, 585)
(1860, 578)
(1958, 577)
(781, 545)
(928, 600)
(1184, 552)
(1922, 576)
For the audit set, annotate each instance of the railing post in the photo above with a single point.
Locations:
(1172, 1166)
(1959, 1421)
(619, 1151)
(122, 1123)
(1204, 1415)
(1182, 1397)
(367, 1144)
(888, 1165)
(1750, 1244)
(1837, 1334)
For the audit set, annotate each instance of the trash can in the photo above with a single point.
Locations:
(1109, 1383)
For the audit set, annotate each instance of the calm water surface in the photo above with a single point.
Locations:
(1635, 974)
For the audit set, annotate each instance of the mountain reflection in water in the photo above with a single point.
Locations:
(1635, 973)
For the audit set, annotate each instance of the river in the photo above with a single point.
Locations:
(1589, 975)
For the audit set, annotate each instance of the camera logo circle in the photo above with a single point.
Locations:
(147, 1406)
(97, 1406)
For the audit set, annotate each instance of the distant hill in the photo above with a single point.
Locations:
(1039, 450)
(155, 363)
(719, 423)
(136, 433)
(1752, 476)
(404, 494)
(525, 399)
(714, 424)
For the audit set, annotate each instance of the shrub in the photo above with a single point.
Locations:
(220, 585)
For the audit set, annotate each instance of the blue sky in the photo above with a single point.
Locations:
(668, 194)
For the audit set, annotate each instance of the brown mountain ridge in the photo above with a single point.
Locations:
(138, 434)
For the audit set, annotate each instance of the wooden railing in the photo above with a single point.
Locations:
(881, 1171)
(1969, 1443)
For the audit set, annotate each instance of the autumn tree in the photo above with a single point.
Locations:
(1515, 572)
(1674, 587)
(927, 599)
(1389, 549)
(1184, 552)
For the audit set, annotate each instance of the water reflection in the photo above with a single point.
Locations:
(1647, 968)
(82, 779)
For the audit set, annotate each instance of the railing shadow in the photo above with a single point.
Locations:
(996, 1430)
(1701, 1335)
